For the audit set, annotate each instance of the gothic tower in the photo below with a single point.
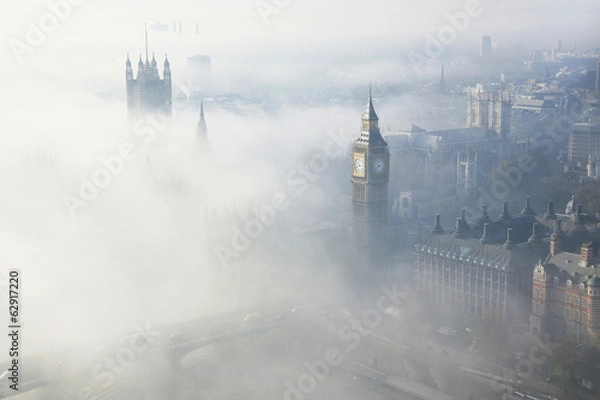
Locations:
(148, 93)
(370, 175)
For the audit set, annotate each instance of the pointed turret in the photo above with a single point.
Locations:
(370, 124)
(201, 129)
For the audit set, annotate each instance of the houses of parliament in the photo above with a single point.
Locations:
(512, 265)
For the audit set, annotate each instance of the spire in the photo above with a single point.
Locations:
(128, 62)
(146, 37)
(201, 129)
(167, 64)
(370, 113)
(370, 124)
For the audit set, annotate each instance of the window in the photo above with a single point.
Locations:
(555, 280)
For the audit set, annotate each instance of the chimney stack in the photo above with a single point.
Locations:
(505, 214)
(550, 213)
(587, 253)
(508, 244)
(437, 228)
(555, 238)
(484, 238)
(535, 236)
(527, 210)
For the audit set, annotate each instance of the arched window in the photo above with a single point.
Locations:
(555, 280)
(405, 202)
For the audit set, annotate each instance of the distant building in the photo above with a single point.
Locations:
(598, 76)
(199, 72)
(489, 106)
(485, 50)
(148, 93)
(584, 140)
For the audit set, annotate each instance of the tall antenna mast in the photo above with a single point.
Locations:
(146, 33)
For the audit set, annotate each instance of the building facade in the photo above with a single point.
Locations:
(584, 140)
(484, 268)
(147, 92)
(489, 107)
(566, 294)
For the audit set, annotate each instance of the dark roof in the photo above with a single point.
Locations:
(473, 251)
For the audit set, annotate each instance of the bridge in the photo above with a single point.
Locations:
(179, 347)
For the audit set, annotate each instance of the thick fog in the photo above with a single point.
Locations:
(148, 247)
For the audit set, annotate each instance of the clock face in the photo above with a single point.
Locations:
(359, 166)
(379, 166)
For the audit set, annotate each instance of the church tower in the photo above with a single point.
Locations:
(370, 175)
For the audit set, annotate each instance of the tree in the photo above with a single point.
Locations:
(491, 333)
(588, 195)
(557, 188)
(568, 367)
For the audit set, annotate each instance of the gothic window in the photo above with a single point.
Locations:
(405, 202)
(555, 280)
(569, 283)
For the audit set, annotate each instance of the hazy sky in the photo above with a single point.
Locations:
(298, 26)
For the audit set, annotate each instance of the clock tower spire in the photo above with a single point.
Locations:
(370, 175)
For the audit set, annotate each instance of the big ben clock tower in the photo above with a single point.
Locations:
(370, 175)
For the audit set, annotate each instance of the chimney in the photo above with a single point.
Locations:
(555, 238)
(484, 238)
(505, 214)
(587, 253)
(485, 218)
(527, 210)
(535, 236)
(508, 244)
(550, 213)
(437, 228)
